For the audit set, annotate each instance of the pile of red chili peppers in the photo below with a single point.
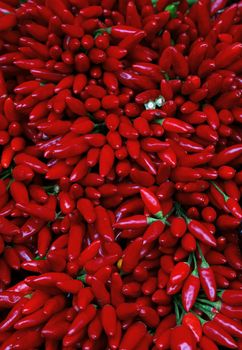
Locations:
(120, 148)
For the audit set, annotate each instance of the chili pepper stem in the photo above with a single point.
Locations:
(220, 191)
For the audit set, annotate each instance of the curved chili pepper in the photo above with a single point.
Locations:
(82, 319)
(35, 302)
(56, 327)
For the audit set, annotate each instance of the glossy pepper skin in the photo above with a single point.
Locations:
(120, 150)
(151, 202)
(212, 329)
(182, 336)
(190, 290)
(200, 232)
(193, 323)
(207, 278)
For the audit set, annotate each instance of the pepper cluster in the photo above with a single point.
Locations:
(120, 148)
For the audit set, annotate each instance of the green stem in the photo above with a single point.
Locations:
(162, 218)
(52, 189)
(39, 258)
(159, 121)
(178, 304)
(82, 278)
(154, 2)
(205, 301)
(177, 312)
(5, 174)
(59, 216)
(180, 212)
(205, 310)
(220, 190)
(190, 258)
(28, 296)
(150, 220)
(101, 31)
(194, 261)
(9, 184)
(172, 8)
(191, 2)
(204, 262)
(216, 304)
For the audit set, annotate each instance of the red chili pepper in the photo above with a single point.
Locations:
(132, 336)
(114, 341)
(207, 278)
(136, 221)
(180, 64)
(163, 340)
(206, 343)
(182, 336)
(84, 298)
(36, 302)
(190, 289)
(199, 231)
(95, 328)
(126, 311)
(116, 289)
(89, 252)
(9, 298)
(179, 273)
(7, 227)
(231, 297)
(56, 327)
(151, 202)
(94, 265)
(76, 235)
(131, 255)
(153, 232)
(233, 256)
(149, 316)
(45, 212)
(192, 322)
(108, 316)
(100, 292)
(82, 319)
(103, 224)
(232, 205)
(213, 330)
(17, 338)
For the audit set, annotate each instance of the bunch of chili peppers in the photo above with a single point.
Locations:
(120, 180)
